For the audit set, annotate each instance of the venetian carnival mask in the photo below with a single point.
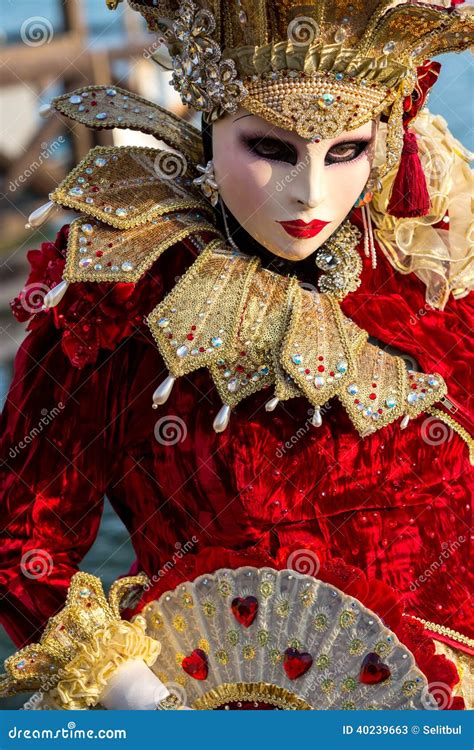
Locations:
(289, 194)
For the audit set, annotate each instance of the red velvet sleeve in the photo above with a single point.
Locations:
(51, 481)
(62, 428)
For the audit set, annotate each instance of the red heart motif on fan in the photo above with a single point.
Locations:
(373, 670)
(296, 663)
(195, 665)
(245, 610)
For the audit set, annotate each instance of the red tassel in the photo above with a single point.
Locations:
(409, 195)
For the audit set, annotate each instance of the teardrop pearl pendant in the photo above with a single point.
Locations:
(55, 295)
(222, 420)
(162, 393)
(38, 217)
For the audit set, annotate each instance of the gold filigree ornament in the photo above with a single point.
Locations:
(319, 68)
(82, 646)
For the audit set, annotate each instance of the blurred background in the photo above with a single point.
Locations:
(56, 46)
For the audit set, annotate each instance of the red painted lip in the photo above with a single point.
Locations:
(303, 229)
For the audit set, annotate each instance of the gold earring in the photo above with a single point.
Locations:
(207, 182)
(340, 261)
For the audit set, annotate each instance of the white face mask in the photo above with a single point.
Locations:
(288, 193)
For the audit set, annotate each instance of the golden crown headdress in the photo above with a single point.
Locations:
(318, 68)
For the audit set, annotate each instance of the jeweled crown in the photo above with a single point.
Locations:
(318, 68)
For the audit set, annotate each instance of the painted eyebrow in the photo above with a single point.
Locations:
(240, 117)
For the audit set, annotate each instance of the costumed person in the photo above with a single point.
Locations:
(289, 289)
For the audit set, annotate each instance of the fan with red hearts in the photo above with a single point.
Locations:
(277, 639)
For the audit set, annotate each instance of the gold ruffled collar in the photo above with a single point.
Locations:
(249, 326)
(252, 329)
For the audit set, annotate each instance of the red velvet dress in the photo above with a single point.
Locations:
(396, 504)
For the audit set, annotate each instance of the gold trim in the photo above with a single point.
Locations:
(160, 195)
(71, 632)
(151, 118)
(465, 666)
(463, 434)
(138, 242)
(443, 630)
(251, 691)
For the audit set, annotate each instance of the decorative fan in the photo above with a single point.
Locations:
(276, 639)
